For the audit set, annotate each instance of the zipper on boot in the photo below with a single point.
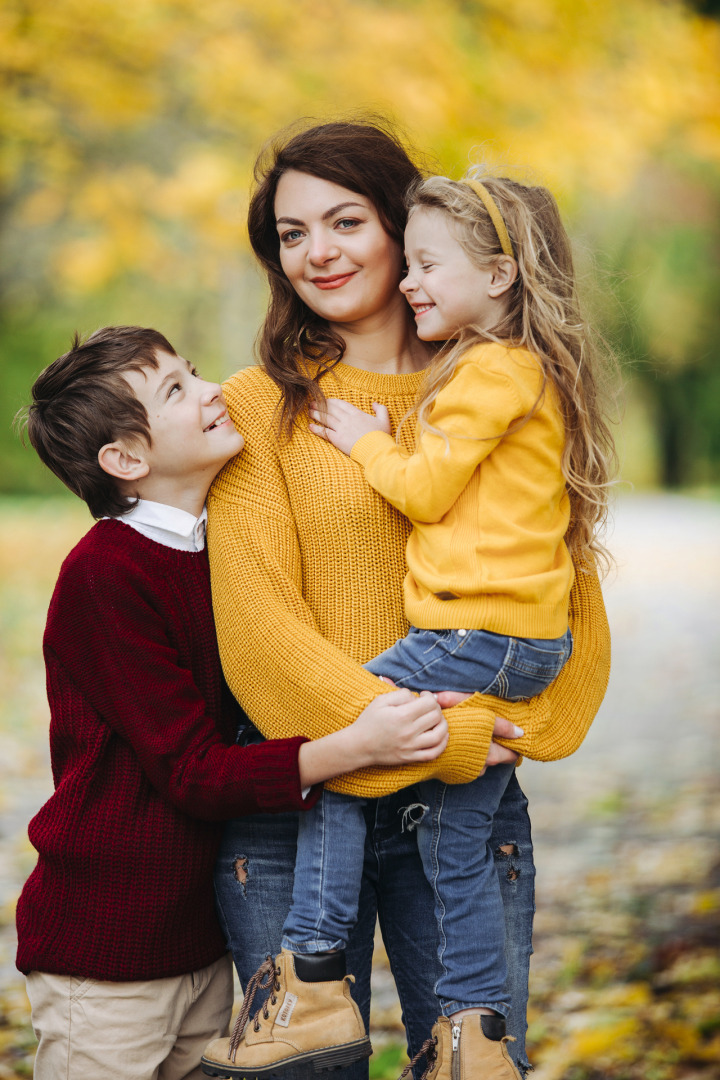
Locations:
(455, 1060)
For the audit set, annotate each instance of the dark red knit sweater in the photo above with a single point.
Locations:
(141, 737)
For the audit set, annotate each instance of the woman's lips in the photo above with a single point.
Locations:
(333, 281)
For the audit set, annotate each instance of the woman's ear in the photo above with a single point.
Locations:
(123, 462)
(504, 275)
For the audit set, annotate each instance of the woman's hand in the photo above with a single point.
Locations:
(343, 424)
(503, 729)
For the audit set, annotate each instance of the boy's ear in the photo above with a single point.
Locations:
(504, 275)
(123, 462)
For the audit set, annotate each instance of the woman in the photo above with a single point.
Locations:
(308, 564)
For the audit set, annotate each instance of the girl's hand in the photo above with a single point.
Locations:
(399, 729)
(342, 424)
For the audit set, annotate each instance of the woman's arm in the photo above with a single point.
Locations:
(287, 676)
(291, 680)
(557, 721)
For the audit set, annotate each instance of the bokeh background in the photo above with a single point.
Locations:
(128, 132)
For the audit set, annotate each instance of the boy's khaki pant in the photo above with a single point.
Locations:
(154, 1030)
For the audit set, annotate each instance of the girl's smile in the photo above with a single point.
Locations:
(445, 289)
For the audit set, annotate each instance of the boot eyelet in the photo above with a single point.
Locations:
(256, 1026)
(273, 1000)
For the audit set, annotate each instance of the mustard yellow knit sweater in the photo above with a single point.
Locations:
(307, 565)
(488, 504)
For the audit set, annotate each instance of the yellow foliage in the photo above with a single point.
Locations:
(164, 105)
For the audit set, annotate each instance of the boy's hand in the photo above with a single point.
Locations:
(400, 728)
(342, 424)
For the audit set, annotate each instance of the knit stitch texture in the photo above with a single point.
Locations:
(307, 566)
(145, 770)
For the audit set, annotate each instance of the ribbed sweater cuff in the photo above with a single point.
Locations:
(367, 445)
(277, 777)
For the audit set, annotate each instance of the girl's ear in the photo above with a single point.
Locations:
(504, 275)
(123, 462)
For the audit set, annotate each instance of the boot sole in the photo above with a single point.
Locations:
(334, 1057)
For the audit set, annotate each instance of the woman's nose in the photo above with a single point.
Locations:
(322, 249)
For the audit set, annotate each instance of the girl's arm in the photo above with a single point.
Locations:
(474, 410)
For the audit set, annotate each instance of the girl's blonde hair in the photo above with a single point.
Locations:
(544, 317)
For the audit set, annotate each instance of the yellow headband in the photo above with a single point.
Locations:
(496, 217)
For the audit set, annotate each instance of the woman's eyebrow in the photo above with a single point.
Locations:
(328, 214)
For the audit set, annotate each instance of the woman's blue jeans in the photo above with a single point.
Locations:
(254, 882)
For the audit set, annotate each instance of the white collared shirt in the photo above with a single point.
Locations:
(168, 525)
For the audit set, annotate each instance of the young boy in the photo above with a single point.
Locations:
(127, 970)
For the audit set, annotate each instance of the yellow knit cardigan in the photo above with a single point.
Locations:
(307, 565)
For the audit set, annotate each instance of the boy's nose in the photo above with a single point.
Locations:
(211, 391)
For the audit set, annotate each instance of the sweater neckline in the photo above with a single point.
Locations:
(374, 382)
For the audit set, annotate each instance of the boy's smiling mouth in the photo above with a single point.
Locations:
(221, 419)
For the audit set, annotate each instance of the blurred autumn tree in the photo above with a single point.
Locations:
(129, 129)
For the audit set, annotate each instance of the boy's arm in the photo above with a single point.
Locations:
(111, 642)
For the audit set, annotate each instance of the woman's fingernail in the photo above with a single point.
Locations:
(517, 732)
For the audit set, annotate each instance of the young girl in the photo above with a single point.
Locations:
(508, 475)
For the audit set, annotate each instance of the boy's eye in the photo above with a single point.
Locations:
(173, 388)
(426, 266)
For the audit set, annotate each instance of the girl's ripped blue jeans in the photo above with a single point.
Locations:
(454, 823)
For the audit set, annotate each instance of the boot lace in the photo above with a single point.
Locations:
(265, 976)
(428, 1048)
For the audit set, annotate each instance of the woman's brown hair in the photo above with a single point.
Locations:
(296, 346)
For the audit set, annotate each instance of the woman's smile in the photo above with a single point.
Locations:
(333, 281)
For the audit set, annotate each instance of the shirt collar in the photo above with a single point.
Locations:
(168, 525)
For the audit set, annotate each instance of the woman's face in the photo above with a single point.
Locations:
(335, 251)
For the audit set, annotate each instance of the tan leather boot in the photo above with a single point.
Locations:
(309, 1019)
(470, 1049)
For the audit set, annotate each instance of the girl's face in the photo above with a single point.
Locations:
(443, 287)
(334, 250)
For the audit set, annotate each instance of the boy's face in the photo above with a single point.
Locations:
(191, 431)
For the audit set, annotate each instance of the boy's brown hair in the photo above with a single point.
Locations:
(81, 402)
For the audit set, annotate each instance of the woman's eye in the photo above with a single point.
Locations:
(291, 235)
(346, 223)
